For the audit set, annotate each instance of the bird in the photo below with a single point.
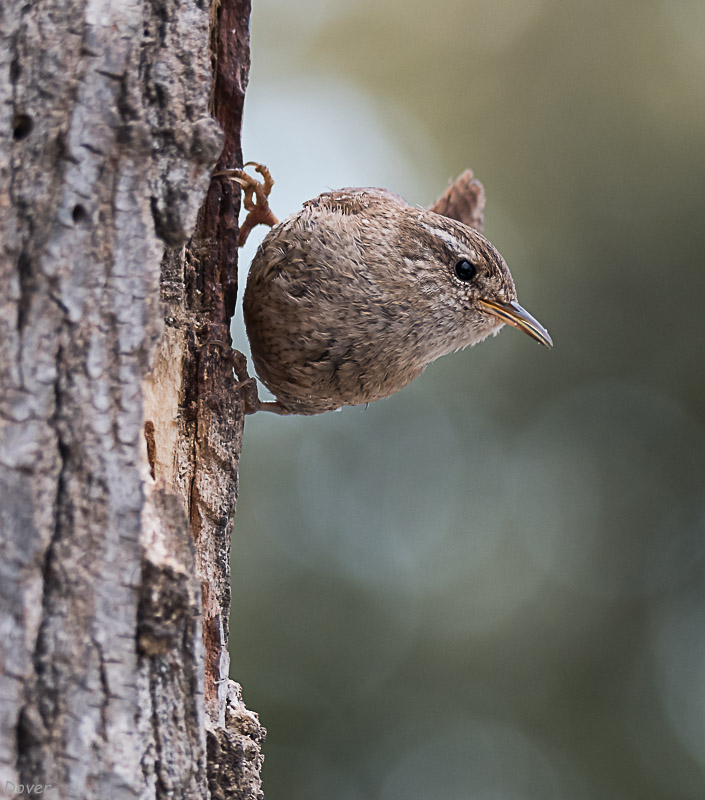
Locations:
(350, 298)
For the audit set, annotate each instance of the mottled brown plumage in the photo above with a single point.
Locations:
(349, 299)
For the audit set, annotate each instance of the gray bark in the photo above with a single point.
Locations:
(119, 436)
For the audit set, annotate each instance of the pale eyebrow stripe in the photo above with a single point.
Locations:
(451, 241)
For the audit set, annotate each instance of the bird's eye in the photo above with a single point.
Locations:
(465, 270)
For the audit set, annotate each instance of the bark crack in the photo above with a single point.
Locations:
(105, 690)
(155, 725)
(39, 708)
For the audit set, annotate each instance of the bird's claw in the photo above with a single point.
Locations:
(255, 194)
(246, 386)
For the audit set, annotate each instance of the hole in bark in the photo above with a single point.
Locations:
(79, 213)
(21, 126)
(15, 70)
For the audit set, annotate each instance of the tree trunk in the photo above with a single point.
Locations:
(119, 431)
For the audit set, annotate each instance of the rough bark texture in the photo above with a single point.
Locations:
(117, 485)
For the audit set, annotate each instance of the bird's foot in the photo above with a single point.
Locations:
(246, 385)
(255, 198)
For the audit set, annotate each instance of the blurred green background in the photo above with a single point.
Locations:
(490, 585)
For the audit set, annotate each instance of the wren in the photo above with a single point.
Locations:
(350, 298)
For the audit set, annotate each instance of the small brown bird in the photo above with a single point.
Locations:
(349, 299)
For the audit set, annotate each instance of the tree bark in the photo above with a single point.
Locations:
(120, 431)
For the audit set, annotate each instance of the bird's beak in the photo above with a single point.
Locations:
(515, 315)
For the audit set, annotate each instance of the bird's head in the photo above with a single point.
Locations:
(473, 277)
